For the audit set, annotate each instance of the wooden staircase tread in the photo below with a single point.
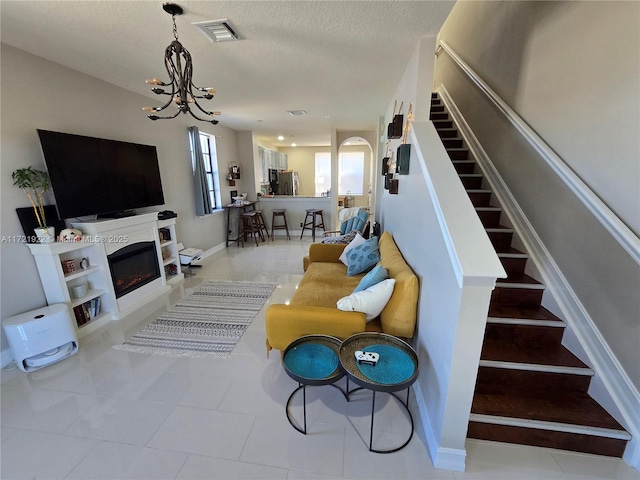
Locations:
(523, 279)
(505, 311)
(571, 408)
(512, 254)
(499, 229)
(506, 350)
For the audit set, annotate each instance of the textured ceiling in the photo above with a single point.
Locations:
(340, 61)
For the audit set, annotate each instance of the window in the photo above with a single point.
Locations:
(323, 172)
(351, 173)
(210, 160)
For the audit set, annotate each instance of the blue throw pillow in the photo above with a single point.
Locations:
(372, 278)
(363, 257)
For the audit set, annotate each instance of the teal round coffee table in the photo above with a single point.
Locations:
(312, 360)
(396, 370)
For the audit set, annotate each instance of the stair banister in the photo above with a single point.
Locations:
(614, 225)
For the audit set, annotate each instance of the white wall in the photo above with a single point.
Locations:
(36, 94)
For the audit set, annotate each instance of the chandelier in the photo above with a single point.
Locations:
(183, 93)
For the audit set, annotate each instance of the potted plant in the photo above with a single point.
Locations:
(35, 183)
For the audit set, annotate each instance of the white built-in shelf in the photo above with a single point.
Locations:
(57, 285)
(169, 260)
(80, 273)
(91, 294)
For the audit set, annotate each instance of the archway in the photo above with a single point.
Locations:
(355, 171)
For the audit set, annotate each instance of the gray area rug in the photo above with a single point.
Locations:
(209, 322)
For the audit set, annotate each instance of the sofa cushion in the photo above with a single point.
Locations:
(370, 301)
(399, 316)
(354, 243)
(323, 285)
(378, 274)
(355, 223)
(363, 257)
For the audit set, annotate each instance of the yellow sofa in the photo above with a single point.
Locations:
(312, 310)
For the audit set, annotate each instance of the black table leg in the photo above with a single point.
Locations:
(373, 410)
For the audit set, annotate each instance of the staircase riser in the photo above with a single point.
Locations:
(501, 241)
(471, 182)
(458, 154)
(465, 167)
(514, 266)
(447, 133)
(436, 108)
(517, 297)
(535, 336)
(442, 123)
(480, 199)
(550, 439)
(490, 218)
(526, 383)
(439, 116)
(452, 143)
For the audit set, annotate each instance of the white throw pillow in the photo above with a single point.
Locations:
(370, 301)
(354, 243)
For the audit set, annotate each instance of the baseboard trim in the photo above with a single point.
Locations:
(623, 393)
(441, 457)
(6, 357)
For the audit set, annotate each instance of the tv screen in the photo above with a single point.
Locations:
(91, 176)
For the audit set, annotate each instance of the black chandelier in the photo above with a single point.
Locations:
(180, 79)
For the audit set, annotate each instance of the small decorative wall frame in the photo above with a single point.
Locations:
(387, 180)
(403, 158)
(394, 129)
(393, 186)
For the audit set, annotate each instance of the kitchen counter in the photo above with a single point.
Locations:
(296, 207)
(268, 197)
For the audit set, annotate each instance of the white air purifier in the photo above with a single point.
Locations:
(41, 337)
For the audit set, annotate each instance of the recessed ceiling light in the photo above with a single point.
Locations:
(293, 144)
(296, 113)
(280, 137)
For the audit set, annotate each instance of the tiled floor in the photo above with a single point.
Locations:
(108, 414)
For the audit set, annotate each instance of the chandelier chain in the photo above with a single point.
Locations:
(175, 29)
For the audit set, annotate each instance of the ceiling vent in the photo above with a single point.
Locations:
(296, 113)
(218, 30)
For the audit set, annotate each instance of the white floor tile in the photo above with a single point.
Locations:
(45, 410)
(39, 455)
(579, 466)
(488, 460)
(120, 420)
(274, 442)
(207, 468)
(126, 462)
(203, 432)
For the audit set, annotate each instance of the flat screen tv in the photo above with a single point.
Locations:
(96, 176)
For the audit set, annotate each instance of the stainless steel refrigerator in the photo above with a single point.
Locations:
(288, 183)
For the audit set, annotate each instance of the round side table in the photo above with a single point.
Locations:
(312, 360)
(397, 369)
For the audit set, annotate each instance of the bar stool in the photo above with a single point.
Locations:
(279, 212)
(262, 224)
(312, 214)
(250, 226)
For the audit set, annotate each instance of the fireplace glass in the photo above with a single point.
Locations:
(133, 266)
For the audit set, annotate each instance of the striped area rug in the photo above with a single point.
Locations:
(209, 322)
